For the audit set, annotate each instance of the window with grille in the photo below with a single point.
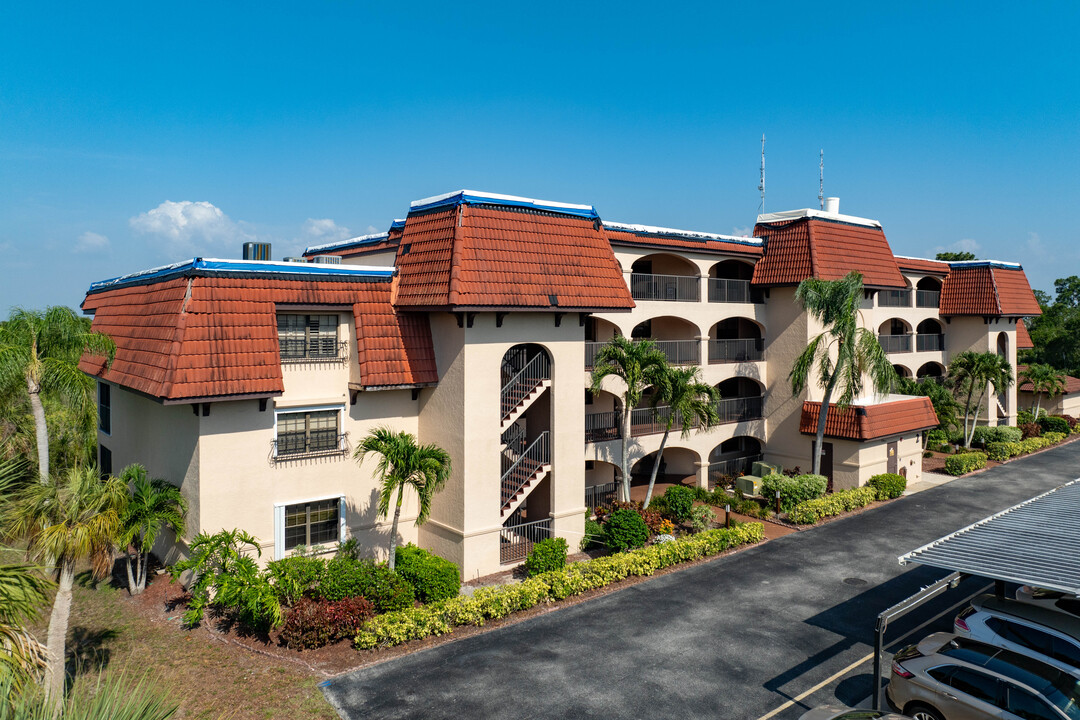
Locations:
(104, 461)
(314, 431)
(104, 394)
(308, 336)
(313, 523)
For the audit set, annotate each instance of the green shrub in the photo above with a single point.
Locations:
(809, 512)
(888, 485)
(679, 501)
(498, 601)
(315, 623)
(927, 454)
(1030, 430)
(956, 436)
(294, 577)
(1053, 423)
(793, 490)
(935, 438)
(1054, 437)
(963, 463)
(352, 578)
(594, 534)
(984, 435)
(625, 529)
(548, 554)
(432, 577)
(700, 517)
(1024, 416)
(1002, 451)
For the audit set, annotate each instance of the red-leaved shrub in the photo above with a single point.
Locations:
(315, 623)
(1030, 430)
(653, 519)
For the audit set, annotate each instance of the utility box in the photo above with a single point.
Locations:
(762, 469)
(748, 485)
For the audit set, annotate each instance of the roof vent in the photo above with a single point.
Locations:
(326, 259)
(832, 205)
(256, 251)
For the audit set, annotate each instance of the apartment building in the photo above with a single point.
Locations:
(473, 324)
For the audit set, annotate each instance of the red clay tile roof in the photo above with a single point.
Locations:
(869, 422)
(489, 256)
(814, 247)
(618, 236)
(1023, 337)
(201, 337)
(1072, 385)
(987, 288)
(390, 243)
(932, 267)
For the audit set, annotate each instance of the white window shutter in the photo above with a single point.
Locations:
(341, 519)
(279, 532)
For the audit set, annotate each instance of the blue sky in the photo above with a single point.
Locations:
(135, 134)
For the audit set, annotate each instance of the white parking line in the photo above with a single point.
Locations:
(867, 658)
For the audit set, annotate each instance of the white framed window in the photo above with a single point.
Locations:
(308, 432)
(308, 337)
(104, 394)
(309, 522)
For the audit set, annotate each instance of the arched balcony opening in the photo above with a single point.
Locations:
(678, 466)
(661, 276)
(675, 337)
(930, 336)
(932, 370)
(928, 293)
(729, 282)
(1003, 397)
(733, 458)
(741, 400)
(597, 333)
(736, 340)
(603, 411)
(895, 336)
(901, 371)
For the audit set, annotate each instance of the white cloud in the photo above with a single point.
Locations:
(325, 230)
(371, 230)
(192, 228)
(742, 231)
(965, 245)
(91, 242)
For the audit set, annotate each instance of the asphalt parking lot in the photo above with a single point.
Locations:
(764, 633)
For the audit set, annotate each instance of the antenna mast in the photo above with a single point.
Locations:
(821, 180)
(761, 185)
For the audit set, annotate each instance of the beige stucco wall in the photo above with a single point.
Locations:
(382, 258)
(1056, 405)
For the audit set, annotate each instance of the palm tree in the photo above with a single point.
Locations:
(690, 402)
(67, 520)
(639, 365)
(154, 505)
(42, 349)
(973, 371)
(1043, 379)
(835, 303)
(424, 468)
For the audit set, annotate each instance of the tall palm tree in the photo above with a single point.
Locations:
(67, 520)
(1043, 379)
(403, 463)
(835, 303)
(153, 506)
(972, 372)
(42, 349)
(639, 365)
(690, 402)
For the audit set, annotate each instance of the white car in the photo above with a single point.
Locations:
(1049, 599)
(1048, 635)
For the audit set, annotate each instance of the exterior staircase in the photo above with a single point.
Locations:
(523, 387)
(523, 472)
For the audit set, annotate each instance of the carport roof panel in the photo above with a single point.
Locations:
(1033, 543)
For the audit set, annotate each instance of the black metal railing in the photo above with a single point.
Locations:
(724, 469)
(894, 298)
(524, 469)
(596, 495)
(895, 343)
(723, 290)
(680, 352)
(927, 298)
(677, 288)
(739, 409)
(300, 350)
(524, 382)
(929, 343)
(738, 350)
(516, 541)
(602, 426)
(316, 443)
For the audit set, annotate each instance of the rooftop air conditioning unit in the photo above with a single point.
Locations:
(327, 259)
(256, 251)
(296, 259)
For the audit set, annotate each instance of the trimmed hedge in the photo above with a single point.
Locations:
(382, 586)
(793, 490)
(548, 554)
(984, 435)
(809, 512)
(494, 602)
(888, 485)
(964, 463)
(432, 577)
(1055, 424)
(1004, 451)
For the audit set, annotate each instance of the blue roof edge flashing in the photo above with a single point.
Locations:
(999, 264)
(345, 244)
(239, 268)
(468, 197)
(648, 231)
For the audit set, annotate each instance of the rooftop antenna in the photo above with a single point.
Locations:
(761, 185)
(821, 180)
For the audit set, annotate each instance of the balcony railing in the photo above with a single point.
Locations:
(739, 350)
(723, 290)
(895, 343)
(602, 426)
(680, 352)
(596, 495)
(516, 541)
(525, 467)
(524, 382)
(929, 343)
(314, 350)
(678, 288)
(317, 443)
(927, 298)
(650, 420)
(723, 469)
(894, 298)
(739, 409)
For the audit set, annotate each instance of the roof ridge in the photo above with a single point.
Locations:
(812, 247)
(997, 293)
(178, 341)
(455, 257)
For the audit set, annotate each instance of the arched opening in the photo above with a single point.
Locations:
(729, 281)
(895, 336)
(740, 400)
(902, 371)
(675, 337)
(678, 466)
(1003, 345)
(733, 458)
(602, 414)
(930, 337)
(665, 277)
(895, 298)
(597, 332)
(928, 292)
(932, 370)
(736, 340)
(1003, 396)
(525, 446)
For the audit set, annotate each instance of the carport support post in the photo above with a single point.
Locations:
(999, 589)
(879, 634)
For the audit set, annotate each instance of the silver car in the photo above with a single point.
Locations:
(946, 677)
(837, 712)
(1050, 599)
(1049, 635)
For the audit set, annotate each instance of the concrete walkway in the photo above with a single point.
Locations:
(735, 638)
